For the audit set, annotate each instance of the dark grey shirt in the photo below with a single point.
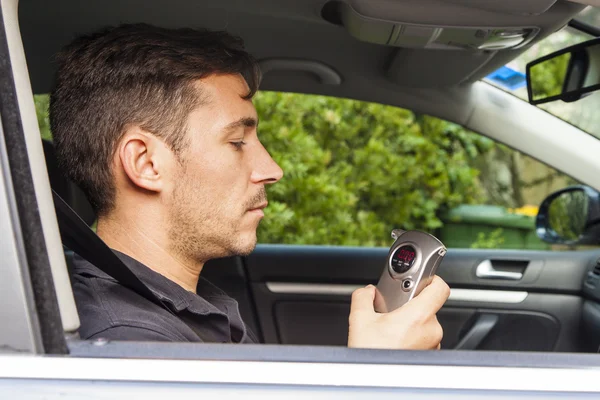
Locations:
(110, 310)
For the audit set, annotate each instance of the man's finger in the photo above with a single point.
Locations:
(362, 300)
(434, 295)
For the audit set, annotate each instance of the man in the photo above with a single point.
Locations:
(158, 128)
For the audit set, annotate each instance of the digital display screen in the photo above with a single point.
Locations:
(403, 258)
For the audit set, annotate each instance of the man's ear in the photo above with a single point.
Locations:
(140, 158)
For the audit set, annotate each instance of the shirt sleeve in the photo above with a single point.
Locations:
(133, 333)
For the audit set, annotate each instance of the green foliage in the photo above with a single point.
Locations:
(494, 240)
(547, 78)
(41, 109)
(568, 215)
(356, 170)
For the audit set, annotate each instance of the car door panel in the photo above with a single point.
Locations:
(302, 296)
(230, 276)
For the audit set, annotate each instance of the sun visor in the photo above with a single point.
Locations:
(429, 68)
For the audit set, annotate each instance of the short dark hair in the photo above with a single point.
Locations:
(133, 74)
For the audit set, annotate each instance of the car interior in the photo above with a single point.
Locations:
(429, 56)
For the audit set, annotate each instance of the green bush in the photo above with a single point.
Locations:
(41, 109)
(356, 170)
(548, 77)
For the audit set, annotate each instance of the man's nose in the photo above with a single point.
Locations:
(266, 170)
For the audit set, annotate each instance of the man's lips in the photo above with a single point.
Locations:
(259, 209)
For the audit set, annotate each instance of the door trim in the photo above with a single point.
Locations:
(460, 295)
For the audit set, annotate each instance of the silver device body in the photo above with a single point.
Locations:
(406, 274)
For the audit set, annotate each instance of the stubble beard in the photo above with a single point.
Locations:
(195, 231)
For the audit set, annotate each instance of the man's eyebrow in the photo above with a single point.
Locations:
(246, 122)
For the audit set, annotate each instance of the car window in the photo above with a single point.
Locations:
(356, 170)
(590, 15)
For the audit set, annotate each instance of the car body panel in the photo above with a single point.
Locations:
(347, 372)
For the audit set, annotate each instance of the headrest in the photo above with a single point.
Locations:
(65, 188)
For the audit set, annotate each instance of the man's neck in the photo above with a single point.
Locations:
(148, 244)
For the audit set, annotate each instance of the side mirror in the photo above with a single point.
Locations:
(570, 216)
(568, 74)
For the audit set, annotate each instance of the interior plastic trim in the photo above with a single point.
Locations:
(324, 73)
(462, 295)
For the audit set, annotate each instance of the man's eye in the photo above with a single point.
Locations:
(238, 145)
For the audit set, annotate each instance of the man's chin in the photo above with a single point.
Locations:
(244, 247)
(246, 252)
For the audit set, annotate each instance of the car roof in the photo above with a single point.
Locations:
(306, 46)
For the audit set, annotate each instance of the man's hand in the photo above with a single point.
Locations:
(413, 326)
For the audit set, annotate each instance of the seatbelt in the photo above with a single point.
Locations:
(78, 237)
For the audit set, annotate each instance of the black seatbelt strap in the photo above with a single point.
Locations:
(78, 237)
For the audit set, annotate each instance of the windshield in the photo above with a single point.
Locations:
(511, 78)
(591, 16)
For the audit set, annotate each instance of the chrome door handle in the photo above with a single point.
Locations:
(486, 270)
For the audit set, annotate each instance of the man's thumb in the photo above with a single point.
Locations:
(362, 300)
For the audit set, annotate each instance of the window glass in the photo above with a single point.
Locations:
(356, 170)
(582, 113)
(590, 15)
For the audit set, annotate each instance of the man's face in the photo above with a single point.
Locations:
(218, 189)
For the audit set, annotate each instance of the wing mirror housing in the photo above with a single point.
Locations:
(568, 74)
(570, 216)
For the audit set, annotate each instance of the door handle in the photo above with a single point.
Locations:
(486, 270)
(482, 327)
